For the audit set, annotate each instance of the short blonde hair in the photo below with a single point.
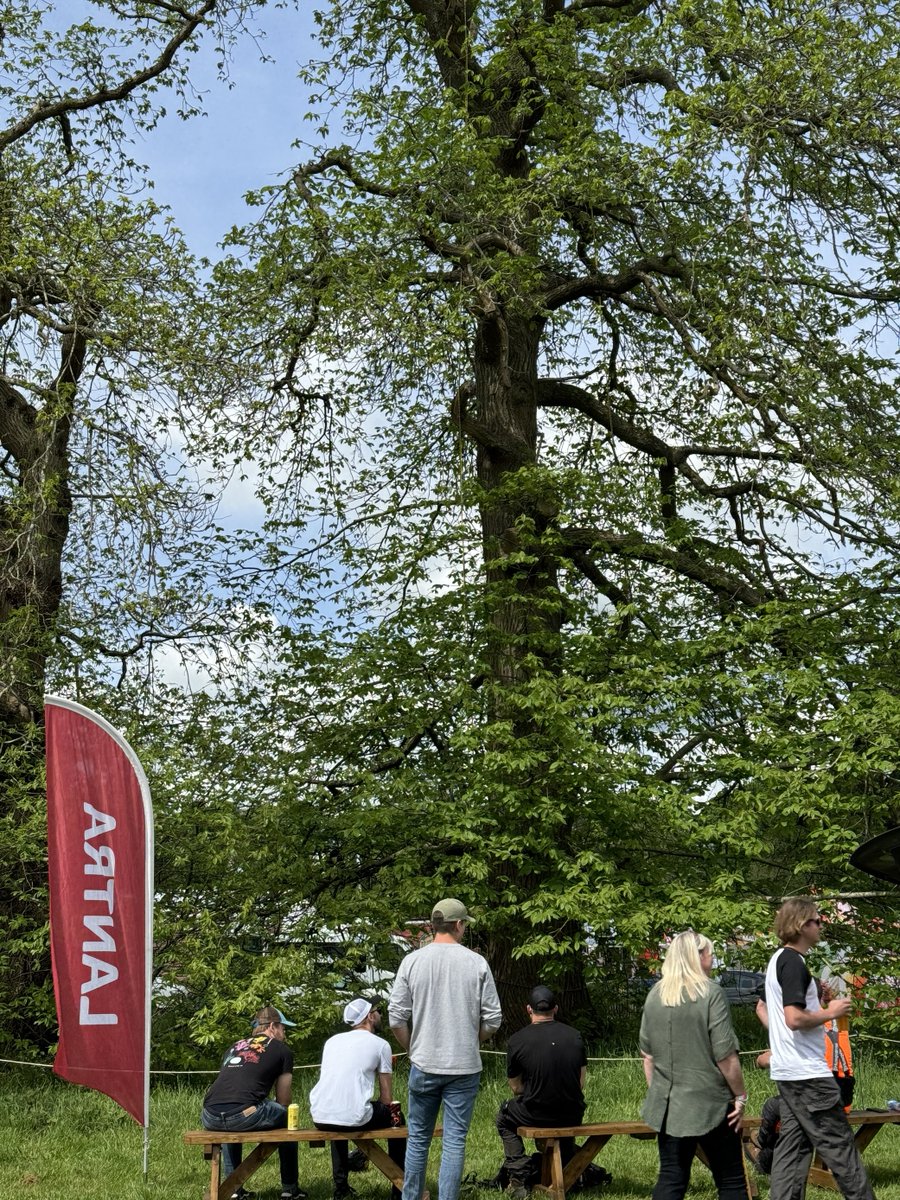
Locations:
(683, 978)
(792, 916)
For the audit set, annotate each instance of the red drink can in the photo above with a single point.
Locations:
(396, 1113)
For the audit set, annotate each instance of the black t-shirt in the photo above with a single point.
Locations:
(548, 1058)
(249, 1069)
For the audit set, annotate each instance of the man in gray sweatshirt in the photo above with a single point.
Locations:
(448, 993)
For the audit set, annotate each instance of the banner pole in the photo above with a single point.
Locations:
(150, 896)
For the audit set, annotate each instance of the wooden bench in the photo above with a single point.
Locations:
(556, 1179)
(867, 1123)
(266, 1142)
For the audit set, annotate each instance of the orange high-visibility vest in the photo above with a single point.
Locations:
(838, 1054)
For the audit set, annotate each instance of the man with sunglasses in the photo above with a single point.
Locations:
(812, 1114)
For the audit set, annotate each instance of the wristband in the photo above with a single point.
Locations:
(740, 1100)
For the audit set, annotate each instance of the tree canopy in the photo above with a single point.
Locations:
(584, 335)
(568, 367)
(101, 518)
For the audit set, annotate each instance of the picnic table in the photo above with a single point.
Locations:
(557, 1179)
(266, 1142)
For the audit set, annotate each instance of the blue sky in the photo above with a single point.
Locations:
(201, 168)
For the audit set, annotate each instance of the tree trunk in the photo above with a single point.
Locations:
(515, 978)
(525, 608)
(34, 525)
(520, 577)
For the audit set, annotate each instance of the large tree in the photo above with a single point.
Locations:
(579, 350)
(100, 522)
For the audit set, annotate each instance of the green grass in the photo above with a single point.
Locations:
(59, 1142)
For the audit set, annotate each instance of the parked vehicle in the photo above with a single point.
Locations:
(741, 987)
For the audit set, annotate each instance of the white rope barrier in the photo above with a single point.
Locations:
(17, 1062)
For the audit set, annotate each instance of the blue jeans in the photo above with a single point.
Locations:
(426, 1094)
(269, 1114)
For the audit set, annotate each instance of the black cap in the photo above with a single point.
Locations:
(542, 999)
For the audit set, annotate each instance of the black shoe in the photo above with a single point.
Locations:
(764, 1160)
(344, 1194)
(293, 1193)
(593, 1176)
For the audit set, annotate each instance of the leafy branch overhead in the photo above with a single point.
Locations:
(101, 519)
(90, 284)
(732, 306)
(603, 298)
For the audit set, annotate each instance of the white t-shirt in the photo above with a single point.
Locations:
(796, 1053)
(350, 1062)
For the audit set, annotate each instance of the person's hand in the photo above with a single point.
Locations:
(840, 1007)
(736, 1115)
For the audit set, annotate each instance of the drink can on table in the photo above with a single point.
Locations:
(293, 1116)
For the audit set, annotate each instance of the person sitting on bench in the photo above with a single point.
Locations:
(342, 1098)
(237, 1101)
(545, 1065)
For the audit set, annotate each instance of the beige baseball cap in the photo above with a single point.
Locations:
(451, 910)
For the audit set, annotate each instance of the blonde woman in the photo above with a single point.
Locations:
(696, 1092)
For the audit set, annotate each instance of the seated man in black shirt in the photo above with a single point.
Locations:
(237, 1100)
(545, 1066)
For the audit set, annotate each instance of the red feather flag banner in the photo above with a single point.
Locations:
(100, 863)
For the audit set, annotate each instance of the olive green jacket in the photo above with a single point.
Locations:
(685, 1043)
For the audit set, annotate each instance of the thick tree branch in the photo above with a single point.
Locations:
(686, 563)
(601, 582)
(343, 160)
(17, 422)
(635, 76)
(667, 771)
(556, 393)
(53, 110)
(447, 26)
(614, 6)
(564, 291)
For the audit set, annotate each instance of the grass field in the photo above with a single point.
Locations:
(59, 1142)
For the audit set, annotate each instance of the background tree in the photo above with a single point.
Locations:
(572, 377)
(603, 460)
(100, 521)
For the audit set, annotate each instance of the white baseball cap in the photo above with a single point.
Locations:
(357, 1010)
